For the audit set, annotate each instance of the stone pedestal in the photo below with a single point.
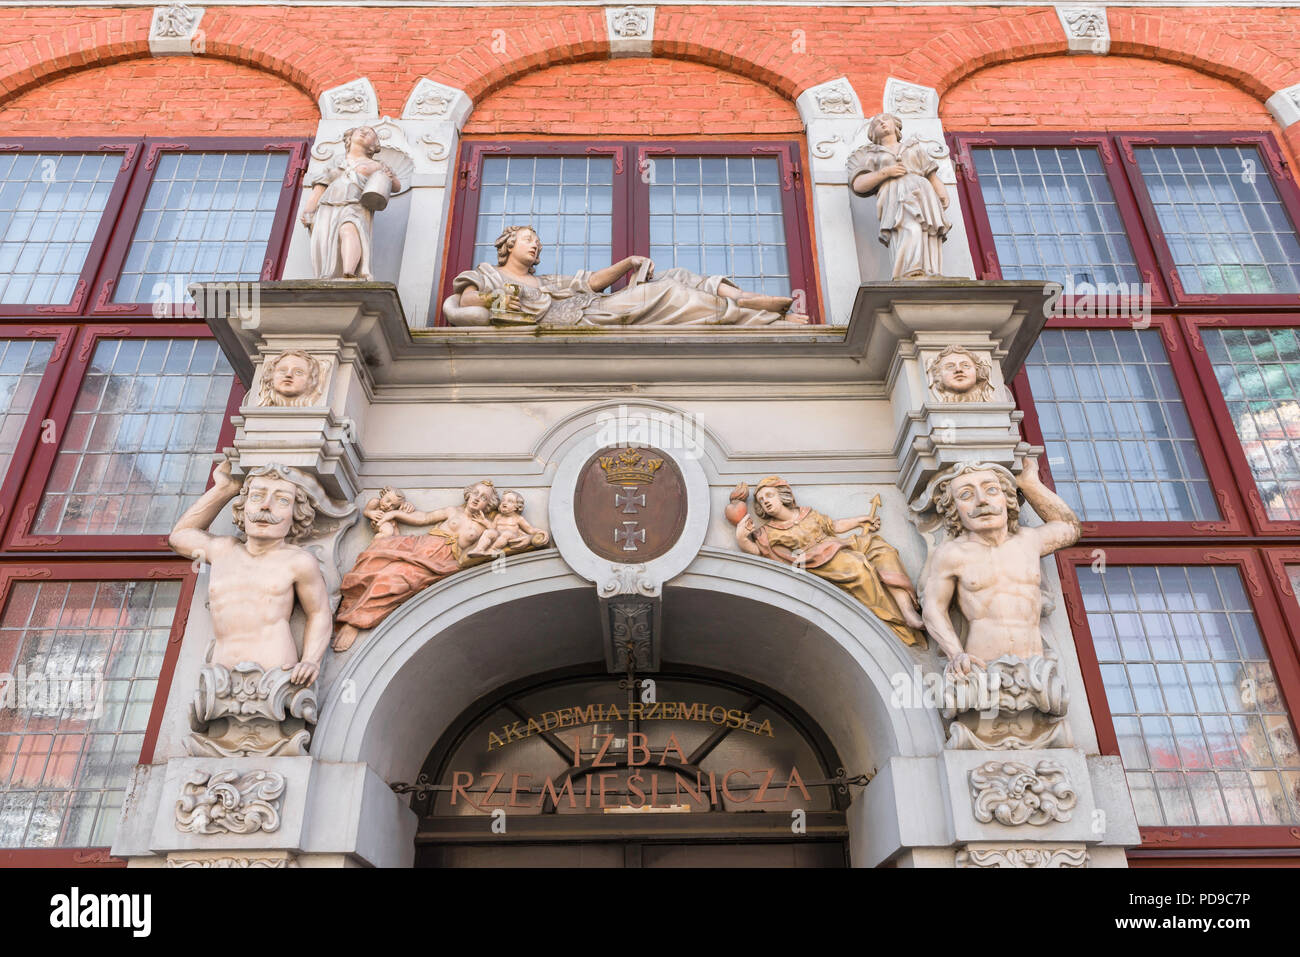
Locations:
(909, 323)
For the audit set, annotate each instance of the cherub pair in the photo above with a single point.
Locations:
(508, 528)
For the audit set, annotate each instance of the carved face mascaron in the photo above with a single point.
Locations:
(980, 500)
(292, 376)
(957, 373)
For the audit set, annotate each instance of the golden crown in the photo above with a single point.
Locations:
(628, 465)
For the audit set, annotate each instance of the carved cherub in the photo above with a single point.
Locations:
(509, 529)
(959, 375)
(383, 509)
(292, 379)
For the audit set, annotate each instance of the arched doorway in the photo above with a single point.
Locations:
(682, 768)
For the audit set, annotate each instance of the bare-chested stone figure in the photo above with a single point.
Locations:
(255, 694)
(992, 565)
(255, 583)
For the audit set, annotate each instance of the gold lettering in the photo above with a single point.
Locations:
(613, 714)
(566, 718)
(550, 719)
(718, 714)
(589, 716)
(694, 713)
(494, 742)
(634, 711)
(533, 727)
(765, 728)
(735, 718)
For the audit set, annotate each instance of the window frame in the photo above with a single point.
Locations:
(1280, 642)
(1150, 247)
(103, 266)
(176, 569)
(1221, 419)
(18, 536)
(1218, 467)
(631, 200)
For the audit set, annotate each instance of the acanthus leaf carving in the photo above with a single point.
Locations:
(229, 802)
(1013, 794)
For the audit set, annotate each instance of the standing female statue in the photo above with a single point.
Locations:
(339, 221)
(910, 197)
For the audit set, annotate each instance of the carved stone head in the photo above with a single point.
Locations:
(512, 235)
(958, 375)
(772, 496)
(978, 497)
(512, 503)
(482, 497)
(292, 379)
(274, 504)
(366, 137)
(881, 124)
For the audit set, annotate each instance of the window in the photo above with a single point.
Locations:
(122, 228)
(114, 403)
(1165, 390)
(87, 656)
(736, 209)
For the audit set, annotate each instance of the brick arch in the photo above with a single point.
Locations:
(98, 39)
(951, 57)
(764, 58)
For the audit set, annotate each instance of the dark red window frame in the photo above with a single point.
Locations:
(631, 227)
(1150, 249)
(94, 290)
(175, 569)
(1244, 536)
(19, 537)
(1280, 638)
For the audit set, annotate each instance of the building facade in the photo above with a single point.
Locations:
(634, 661)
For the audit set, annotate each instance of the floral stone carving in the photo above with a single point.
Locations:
(1054, 857)
(230, 802)
(1013, 794)
(1002, 688)
(245, 711)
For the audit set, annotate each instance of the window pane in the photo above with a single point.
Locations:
(138, 445)
(568, 200)
(1053, 215)
(22, 366)
(1118, 440)
(207, 218)
(1225, 224)
(1259, 373)
(1204, 733)
(90, 653)
(50, 207)
(726, 217)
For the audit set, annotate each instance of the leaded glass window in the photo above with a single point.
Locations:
(50, 209)
(1203, 731)
(1053, 215)
(207, 218)
(22, 366)
(138, 446)
(1259, 373)
(89, 654)
(567, 199)
(1223, 220)
(720, 215)
(1119, 443)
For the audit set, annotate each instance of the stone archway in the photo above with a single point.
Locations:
(410, 679)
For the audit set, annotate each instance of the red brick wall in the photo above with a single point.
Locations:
(631, 97)
(1098, 93)
(162, 97)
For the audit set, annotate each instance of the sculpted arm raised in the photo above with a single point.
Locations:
(1061, 526)
(190, 537)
